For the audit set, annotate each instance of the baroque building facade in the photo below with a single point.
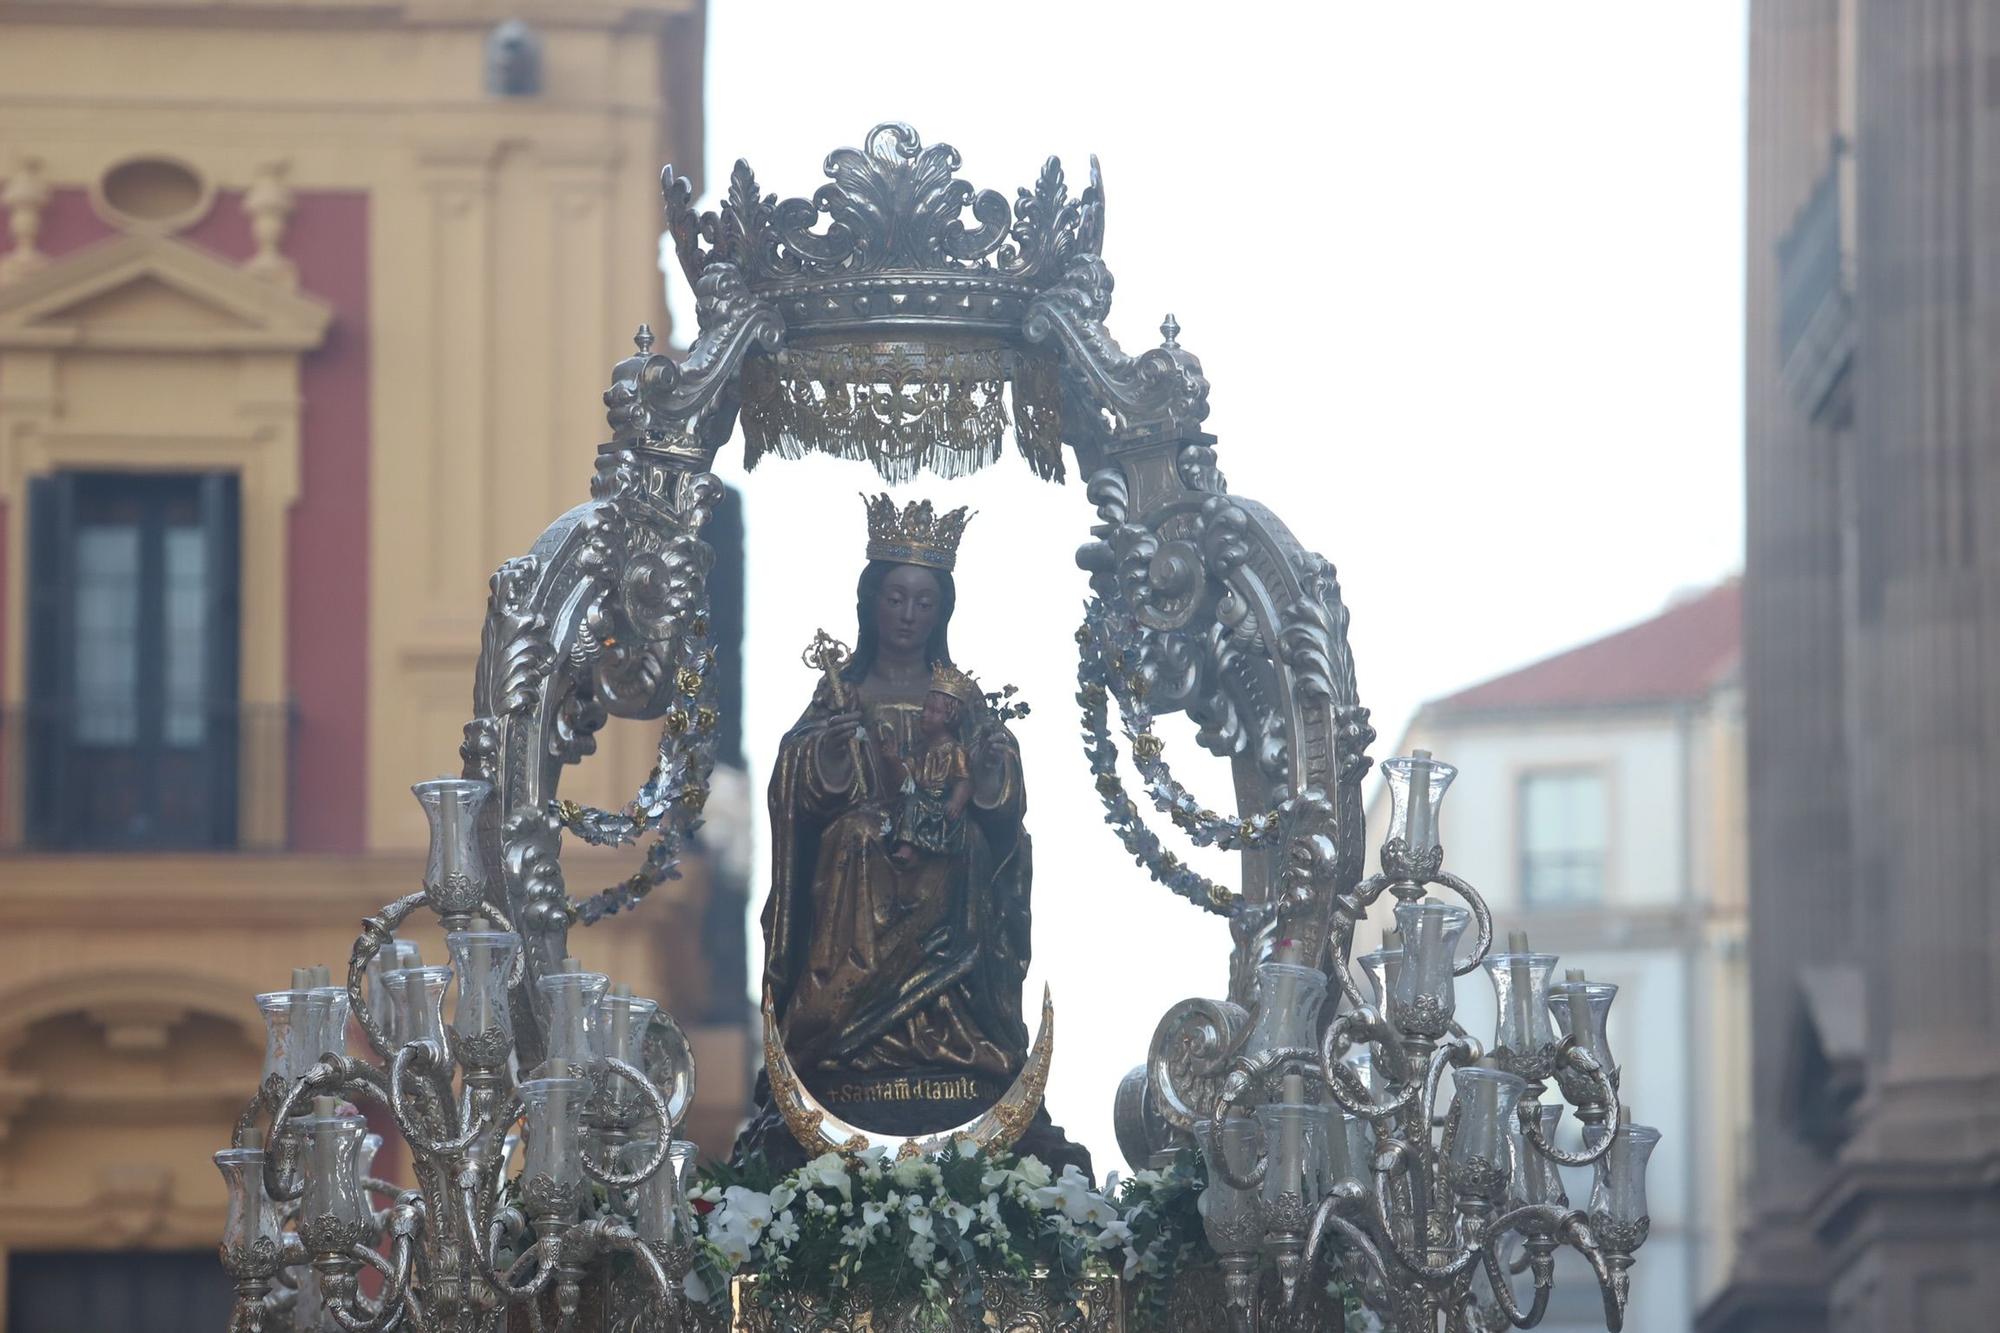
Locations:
(1872, 607)
(305, 311)
(1603, 788)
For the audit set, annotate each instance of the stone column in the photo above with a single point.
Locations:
(1794, 681)
(1914, 1233)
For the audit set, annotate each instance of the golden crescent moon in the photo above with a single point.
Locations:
(997, 1128)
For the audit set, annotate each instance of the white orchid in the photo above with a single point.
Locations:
(919, 1215)
(785, 1227)
(749, 1207)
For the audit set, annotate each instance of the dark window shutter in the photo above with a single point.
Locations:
(222, 530)
(51, 644)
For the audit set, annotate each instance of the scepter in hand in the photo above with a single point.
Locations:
(831, 656)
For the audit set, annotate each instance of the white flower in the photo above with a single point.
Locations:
(781, 1197)
(748, 1206)
(919, 1214)
(854, 1237)
(874, 1215)
(1115, 1233)
(735, 1246)
(829, 1171)
(989, 1209)
(1077, 1200)
(910, 1172)
(921, 1250)
(1035, 1171)
(961, 1216)
(785, 1229)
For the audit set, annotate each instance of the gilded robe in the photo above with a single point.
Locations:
(877, 967)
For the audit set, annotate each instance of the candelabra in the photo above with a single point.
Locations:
(475, 1238)
(944, 308)
(1326, 1154)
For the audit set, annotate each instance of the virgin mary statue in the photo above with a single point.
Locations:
(896, 965)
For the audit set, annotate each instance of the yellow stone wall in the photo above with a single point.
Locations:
(511, 251)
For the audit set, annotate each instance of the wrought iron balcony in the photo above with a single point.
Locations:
(207, 778)
(1816, 296)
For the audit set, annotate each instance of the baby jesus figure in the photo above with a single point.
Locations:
(936, 784)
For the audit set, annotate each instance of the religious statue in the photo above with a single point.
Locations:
(896, 933)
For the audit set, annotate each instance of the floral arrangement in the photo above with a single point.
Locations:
(936, 1227)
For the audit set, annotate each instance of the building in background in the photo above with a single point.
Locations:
(1599, 807)
(1872, 668)
(305, 314)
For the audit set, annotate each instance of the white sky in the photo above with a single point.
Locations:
(1466, 280)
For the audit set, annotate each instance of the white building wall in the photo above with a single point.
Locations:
(1665, 782)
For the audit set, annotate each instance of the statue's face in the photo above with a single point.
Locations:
(907, 610)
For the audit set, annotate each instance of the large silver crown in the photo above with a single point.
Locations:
(898, 250)
(902, 317)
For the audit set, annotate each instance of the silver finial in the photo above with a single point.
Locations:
(1170, 329)
(643, 339)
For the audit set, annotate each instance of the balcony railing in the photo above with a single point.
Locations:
(1816, 295)
(216, 778)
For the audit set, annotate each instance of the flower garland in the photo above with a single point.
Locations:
(1105, 645)
(936, 1227)
(669, 803)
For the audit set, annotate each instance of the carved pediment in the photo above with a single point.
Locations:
(154, 293)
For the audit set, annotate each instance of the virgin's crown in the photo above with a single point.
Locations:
(914, 536)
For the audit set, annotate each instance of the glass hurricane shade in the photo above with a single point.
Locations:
(570, 1000)
(332, 1161)
(1618, 1190)
(664, 1215)
(620, 1034)
(1295, 1141)
(1422, 998)
(482, 961)
(1480, 1160)
(1350, 1150)
(1417, 784)
(416, 1003)
(281, 1010)
(1288, 1002)
(552, 1147)
(454, 875)
(1536, 1179)
(1381, 967)
(1582, 1009)
(300, 1026)
(252, 1216)
(1521, 1000)
(1230, 1217)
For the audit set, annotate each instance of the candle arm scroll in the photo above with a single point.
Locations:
(657, 1156)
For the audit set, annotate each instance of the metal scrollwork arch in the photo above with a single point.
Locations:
(1209, 605)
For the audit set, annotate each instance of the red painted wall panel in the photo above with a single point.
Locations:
(326, 632)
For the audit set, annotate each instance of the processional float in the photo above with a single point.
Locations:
(901, 317)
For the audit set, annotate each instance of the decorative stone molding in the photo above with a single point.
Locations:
(24, 196)
(78, 335)
(268, 201)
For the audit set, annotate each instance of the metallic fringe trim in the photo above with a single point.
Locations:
(947, 412)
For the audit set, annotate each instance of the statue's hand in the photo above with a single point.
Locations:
(841, 726)
(835, 748)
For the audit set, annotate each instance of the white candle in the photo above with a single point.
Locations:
(1418, 832)
(1291, 1150)
(448, 860)
(1522, 973)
